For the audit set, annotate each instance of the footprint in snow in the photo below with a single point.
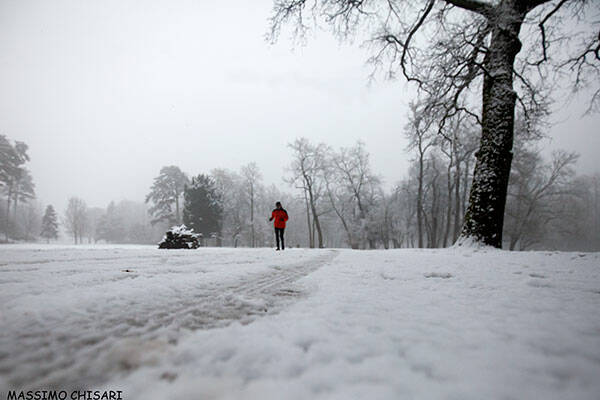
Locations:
(442, 275)
(538, 283)
(387, 277)
(168, 376)
(534, 275)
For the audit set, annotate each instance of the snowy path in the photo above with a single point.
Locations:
(405, 324)
(78, 317)
(466, 324)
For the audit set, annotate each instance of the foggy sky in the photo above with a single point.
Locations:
(105, 93)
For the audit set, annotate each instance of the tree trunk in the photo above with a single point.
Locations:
(457, 208)
(364, 236)
(15, 204)
(317, 224)
(463, 196)
(8, 212)
(420, 204)
(252, 240)
(385, 231)
(485, 215)
(311, 242)
(449, 204)
(434, 214)
(318, 228)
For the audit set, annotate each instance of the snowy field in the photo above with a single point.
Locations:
(300, 324)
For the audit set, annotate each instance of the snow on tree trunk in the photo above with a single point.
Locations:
(485, 215)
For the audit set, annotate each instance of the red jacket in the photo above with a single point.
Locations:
(279, 216)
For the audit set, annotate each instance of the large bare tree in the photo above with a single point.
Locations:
(307, 169)
(75, 219)
(252, 178)
(536, 194)
(421, 138)
(232, 189)
(353, 189)
(450, 48)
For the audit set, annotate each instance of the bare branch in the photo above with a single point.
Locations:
(543, 32)
(477, 6)
(414, 30)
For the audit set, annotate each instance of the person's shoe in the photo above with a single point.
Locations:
(277, 249)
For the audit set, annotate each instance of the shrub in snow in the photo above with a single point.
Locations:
(180, 237)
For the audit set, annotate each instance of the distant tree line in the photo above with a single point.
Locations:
(125, 222)
(20, 214)
(336, 200)
(222, 205)
(548, 206)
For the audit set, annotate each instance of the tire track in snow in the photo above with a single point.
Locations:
(50, 354)
(257, 295)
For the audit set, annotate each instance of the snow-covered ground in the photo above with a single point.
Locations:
(300, 324)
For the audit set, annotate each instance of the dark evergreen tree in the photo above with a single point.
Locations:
(23, 188)
(165, 195)
(49, 224)
(203, 206)
(15, 180)
(7, 169)
(7, 160)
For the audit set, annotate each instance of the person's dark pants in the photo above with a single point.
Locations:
(278, 235)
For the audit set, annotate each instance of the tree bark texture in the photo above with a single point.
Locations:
(485, 215)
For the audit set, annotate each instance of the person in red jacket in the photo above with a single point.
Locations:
(279, 216)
